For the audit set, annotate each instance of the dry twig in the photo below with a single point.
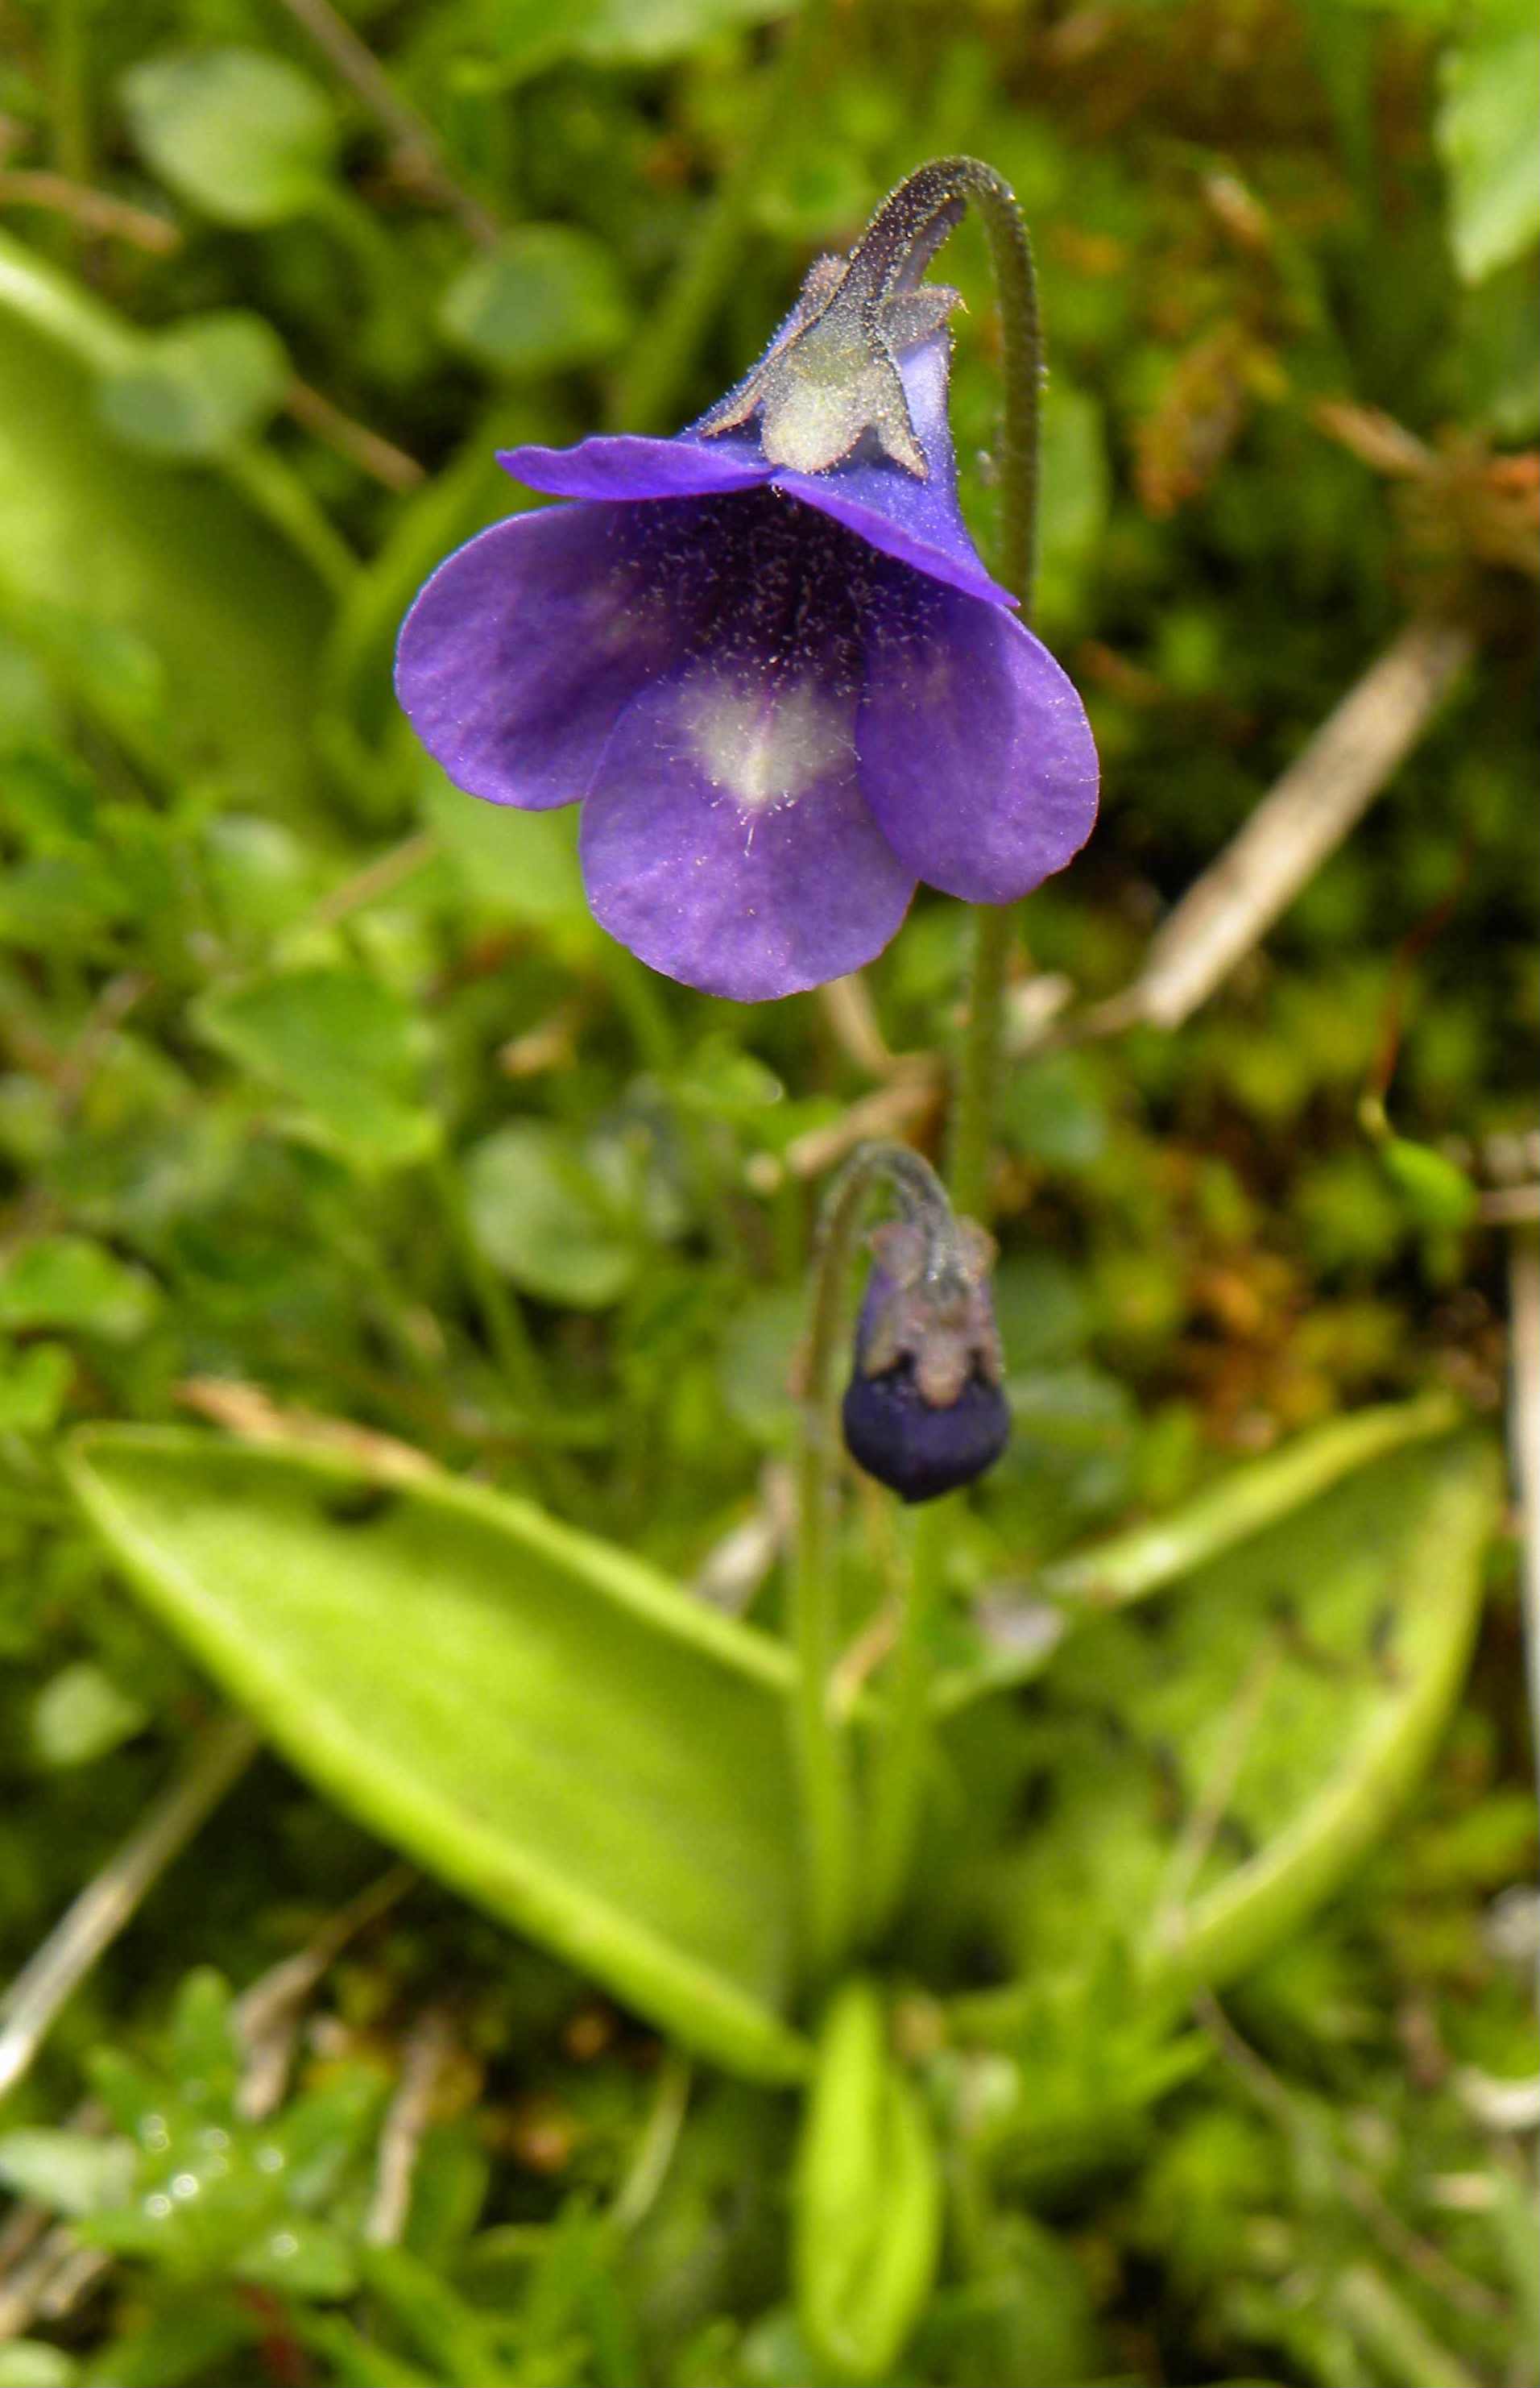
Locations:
(95, 211)
(251, 1414)
(407, 2117)
(52, 2283)
(267, 2015)
(378, 878)
(735, 1567)
(89, 1927)
(380, 458)
(417, 145)
(1302, 821)
(44, 2271)
(912, 1092)
(639, 2192)
(847, 1005)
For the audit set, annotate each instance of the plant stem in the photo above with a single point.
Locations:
(978, 1061)
(1021, 368)
(418, 146)
(70, 92)
(898, 1795)
(1016, 561)
(512, 1346)
(820, 1756)
(267, 484)
(820, 1752)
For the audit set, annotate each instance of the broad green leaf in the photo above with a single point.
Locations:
(1213, 1773)
(533, 1715)
(343, 1046)
(1489, 133)
(246, 137)
(1130, 1566)
(538, 1214)
(547, 296)
(198, 388)
(867, 2196)
(232, 619)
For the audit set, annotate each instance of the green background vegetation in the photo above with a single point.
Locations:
(319, 1089)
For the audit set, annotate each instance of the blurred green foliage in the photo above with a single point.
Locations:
(319, 1089)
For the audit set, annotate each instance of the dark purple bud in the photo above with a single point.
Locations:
(925, 1411)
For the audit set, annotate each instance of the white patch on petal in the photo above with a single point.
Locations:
(766, 748)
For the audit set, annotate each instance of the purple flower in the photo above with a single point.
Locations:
(766, 657)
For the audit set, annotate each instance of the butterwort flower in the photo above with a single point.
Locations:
(764, 656)
(925, 1410)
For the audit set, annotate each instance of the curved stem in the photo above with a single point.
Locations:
(820, 1748)
(1016, 561)
(898, 243)
(1021, 367)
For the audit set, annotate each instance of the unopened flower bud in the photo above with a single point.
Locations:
(925, 1410)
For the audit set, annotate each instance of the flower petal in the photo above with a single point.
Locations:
(977, 757)
(524, 648)
(918, 521)
(726, 842)
(626, 466)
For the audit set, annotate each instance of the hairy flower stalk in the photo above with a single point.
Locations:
(929, 1415)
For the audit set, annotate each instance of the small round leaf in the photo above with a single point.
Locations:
(247, 138)
(539, 1216)
(546, 298)
(199, 388)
